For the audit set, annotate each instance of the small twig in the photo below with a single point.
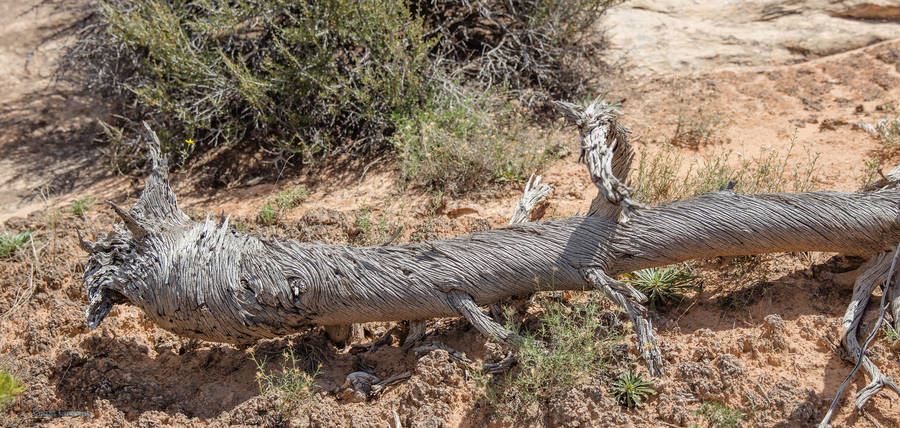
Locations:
(686, 310)
(393, 237)
(762, 391)
(870, 418)
(865, 346)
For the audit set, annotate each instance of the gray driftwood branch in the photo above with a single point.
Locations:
(209, 281)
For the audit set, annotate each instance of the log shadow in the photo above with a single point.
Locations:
(791, 295)
(200, 381)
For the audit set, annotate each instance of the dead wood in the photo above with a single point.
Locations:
(209, 281)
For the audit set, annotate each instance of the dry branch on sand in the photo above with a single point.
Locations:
(208, 281)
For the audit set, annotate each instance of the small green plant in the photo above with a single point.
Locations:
(364, 221)
(892, 337)
(571, 345)
(10, 242)
(870, 170)
(718, 415)
(291, 198)
(374, 232)
(80, 206)
(661, 284)
(240, 226)
(293, 386)
(269, 212)
(10, 387)
(285, 200)
(631, 389)
(889, 131)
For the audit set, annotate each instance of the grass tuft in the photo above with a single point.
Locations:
(80, 206)
(661, 177)
(11, 242)
(892, 337)
(661, 284)
(284, 201)
(294, 388)
(631, 389)
(719, 415)
(870, 172)
(291, 198)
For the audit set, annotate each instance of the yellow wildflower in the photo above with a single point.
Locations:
(189, 141)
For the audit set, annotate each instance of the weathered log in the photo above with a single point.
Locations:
(209, 281)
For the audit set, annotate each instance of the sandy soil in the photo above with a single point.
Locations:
(758, 336)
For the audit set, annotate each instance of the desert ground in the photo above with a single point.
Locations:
(758, 334)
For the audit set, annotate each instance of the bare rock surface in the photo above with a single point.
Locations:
(663, 36)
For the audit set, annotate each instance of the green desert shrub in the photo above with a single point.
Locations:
(572, 344)
(298, 77)
(306, 79)
(455, 145)
(538, 49)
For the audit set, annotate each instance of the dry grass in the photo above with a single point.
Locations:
(292, 386)
(662, 177)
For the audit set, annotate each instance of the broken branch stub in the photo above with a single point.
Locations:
(535, 193)
(608, 155)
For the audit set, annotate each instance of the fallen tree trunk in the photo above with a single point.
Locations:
(209, 281)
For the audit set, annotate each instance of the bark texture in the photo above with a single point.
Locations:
(208, 281)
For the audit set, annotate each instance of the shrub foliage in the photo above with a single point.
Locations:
(538, 48)
(456, 146)
(304, 79)
(300, 76)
